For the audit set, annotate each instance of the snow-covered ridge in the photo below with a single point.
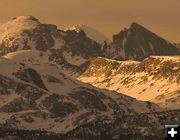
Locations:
(28, 33)
(145, 80)
(26, 56)
(91, 33)
(18, 24)
(37, 86)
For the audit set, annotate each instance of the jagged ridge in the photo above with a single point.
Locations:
(137, 43)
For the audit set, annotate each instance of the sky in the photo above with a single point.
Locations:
(107, 16)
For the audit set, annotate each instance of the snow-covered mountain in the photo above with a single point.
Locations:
(36, 95)
(65, 47)
(92, 33)
(38, 101)
(73, 48)
(137, 43)
(57, 84)
(155, 77)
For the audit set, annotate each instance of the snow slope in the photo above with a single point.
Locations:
(155, 76)
(91, 33)
(36, 95)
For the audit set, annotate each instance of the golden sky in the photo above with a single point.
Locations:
(108, 16)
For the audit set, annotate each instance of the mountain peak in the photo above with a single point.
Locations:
(26, 18)
(137, 26)
(138, 42)
(134, 24)
(19, 23)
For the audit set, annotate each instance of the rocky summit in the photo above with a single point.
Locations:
(137, 43)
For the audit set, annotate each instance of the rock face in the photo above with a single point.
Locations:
(31, 76)
(138, 43)
(79, 44)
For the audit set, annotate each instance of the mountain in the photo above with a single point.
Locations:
(36, 95)
(37, 101)
(65, 47)
(72, 48)
(137, 43)
(92, 33)
(154, 77)
(57, 84)
(142, 126)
